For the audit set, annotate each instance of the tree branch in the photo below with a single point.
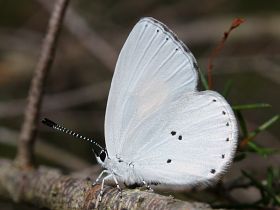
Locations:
(28, 131)
(48, 188)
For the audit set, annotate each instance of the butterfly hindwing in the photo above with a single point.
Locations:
(192, 142)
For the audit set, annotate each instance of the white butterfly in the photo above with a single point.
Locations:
(158, 127)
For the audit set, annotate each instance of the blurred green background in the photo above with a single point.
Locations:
(92, 36)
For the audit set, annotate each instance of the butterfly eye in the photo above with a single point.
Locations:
(102, 155)
(213, 171)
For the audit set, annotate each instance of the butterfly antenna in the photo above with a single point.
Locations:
(67, 131)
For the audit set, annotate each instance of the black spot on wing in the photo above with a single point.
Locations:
(168, 161)
(213, 171)
(174, 36)
(173, 133)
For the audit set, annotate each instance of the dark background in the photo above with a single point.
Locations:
(92, 36)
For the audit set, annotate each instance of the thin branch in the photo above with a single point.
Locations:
(28, 131)
(48, 188)
(235, 23)
(90, 39)
(244, 142)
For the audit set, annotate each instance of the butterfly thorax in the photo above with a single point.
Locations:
(123, 170)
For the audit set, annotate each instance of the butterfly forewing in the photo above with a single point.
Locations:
(153, 67)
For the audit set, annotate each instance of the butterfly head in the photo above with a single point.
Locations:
(101, 157)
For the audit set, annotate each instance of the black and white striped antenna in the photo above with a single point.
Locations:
(67, 131)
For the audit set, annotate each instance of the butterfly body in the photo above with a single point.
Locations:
(123, 170)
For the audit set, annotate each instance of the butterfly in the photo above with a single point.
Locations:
(158, 127)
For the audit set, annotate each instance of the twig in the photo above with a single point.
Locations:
(28, 131)
(91, 40)
(244, 142)
(235, 23)
(49, 188)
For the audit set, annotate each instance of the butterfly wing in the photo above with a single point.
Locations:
(153, 67)
(188, 141)
(156, 119)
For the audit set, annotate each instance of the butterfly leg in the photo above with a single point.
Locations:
(147, 185)
(100, 175)
(118, 186)
(100, 195)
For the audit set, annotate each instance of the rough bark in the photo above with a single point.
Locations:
(47, 187)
